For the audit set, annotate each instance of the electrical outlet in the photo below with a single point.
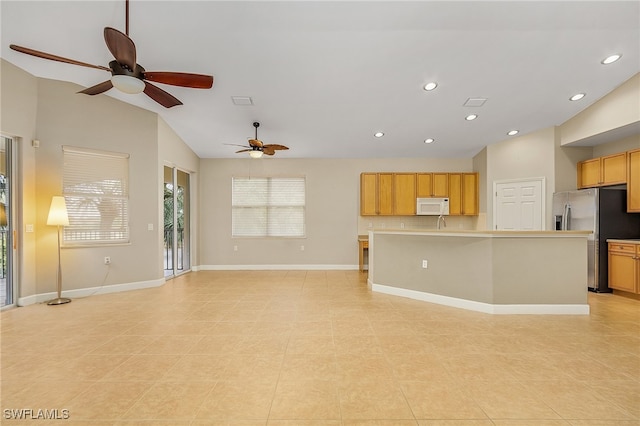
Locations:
(235, 248)
(301, 248)
(107, 260)
(424, 264)
(401, 225)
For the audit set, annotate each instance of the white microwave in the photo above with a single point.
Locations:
(432, 206)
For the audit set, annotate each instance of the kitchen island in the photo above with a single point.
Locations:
(498, 272)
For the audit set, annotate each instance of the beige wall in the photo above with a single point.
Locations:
(173, 152)
(619, 108)
(97, 122)
(527, 156)
(53, 113)
(332, 209)
(622, 145)
(19, 97)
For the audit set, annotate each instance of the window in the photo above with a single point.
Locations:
(96, 191)
(268, 207)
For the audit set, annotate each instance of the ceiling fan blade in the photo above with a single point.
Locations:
(275, 146)
(45, 55)
(121, 47)
(98, 88)
(235, 144)
(160, 96)
(195, 81)
(255, 142)
(244, 150)
(268, 151)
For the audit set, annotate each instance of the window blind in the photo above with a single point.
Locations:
(268, 207)
(96, 191)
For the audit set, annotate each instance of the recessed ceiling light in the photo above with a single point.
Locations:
(611, 59)
(378, 134)
(430, 86)
(471, 117)
(577, 97)
(429, 140)
(513, 132)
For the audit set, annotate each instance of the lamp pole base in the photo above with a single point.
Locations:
(58, 301)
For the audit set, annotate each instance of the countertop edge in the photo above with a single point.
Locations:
(630, 241)
(485, 233)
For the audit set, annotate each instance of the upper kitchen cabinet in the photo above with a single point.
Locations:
(404, 194)
(377, 194)
(603, 171)
(463, 194)
(432, 185)
(633, 181)
(368, 194)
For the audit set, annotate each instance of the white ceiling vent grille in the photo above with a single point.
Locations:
(475, 102)
(242, 100)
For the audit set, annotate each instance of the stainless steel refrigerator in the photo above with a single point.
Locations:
(602, 211)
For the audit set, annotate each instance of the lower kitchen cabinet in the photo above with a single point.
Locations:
(624, 266)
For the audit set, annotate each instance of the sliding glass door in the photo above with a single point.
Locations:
(7, 297)
(177, 221)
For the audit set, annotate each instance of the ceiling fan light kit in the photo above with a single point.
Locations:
(128, 84)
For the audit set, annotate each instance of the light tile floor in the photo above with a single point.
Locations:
(315, 348)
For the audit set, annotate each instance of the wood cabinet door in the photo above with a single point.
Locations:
(633, 181)
(440, 185)
(368, 194)
(469, 194)
(455, 194)
(385, 194)
(424, 183)
(589, 173)
(622, 271)
(404, 194)
(614, 169)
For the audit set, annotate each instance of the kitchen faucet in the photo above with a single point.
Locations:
(441, 219)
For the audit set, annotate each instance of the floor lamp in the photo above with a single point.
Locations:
(58, 217)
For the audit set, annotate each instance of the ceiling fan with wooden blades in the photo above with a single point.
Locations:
(256, 147)
(127, 75)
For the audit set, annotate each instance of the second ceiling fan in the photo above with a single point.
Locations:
(256, 147)
(126, 74)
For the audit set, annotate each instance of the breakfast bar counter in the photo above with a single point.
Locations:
(499, 272)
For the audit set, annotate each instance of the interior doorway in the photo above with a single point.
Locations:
(519, 204)
(7, 284)
(177, 222)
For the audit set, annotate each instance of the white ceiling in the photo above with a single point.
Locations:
(324, 76)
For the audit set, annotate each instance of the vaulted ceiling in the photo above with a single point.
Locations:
(324, 76)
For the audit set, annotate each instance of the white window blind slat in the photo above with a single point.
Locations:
(96, 190)
(268, 207)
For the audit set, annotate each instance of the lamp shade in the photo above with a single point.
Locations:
(58, 212)
(255, 154)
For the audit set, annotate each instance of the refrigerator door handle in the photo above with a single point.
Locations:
(565, 217)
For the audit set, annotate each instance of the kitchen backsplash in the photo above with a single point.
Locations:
(368, 223)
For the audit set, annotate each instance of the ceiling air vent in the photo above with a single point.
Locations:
(242, 100)
(475, 102)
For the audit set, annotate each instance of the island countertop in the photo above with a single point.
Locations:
(481, 233)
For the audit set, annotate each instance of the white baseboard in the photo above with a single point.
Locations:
(515, 309)
(91, 291)
(276, 268)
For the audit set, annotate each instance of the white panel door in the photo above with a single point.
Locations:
(519, 205)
